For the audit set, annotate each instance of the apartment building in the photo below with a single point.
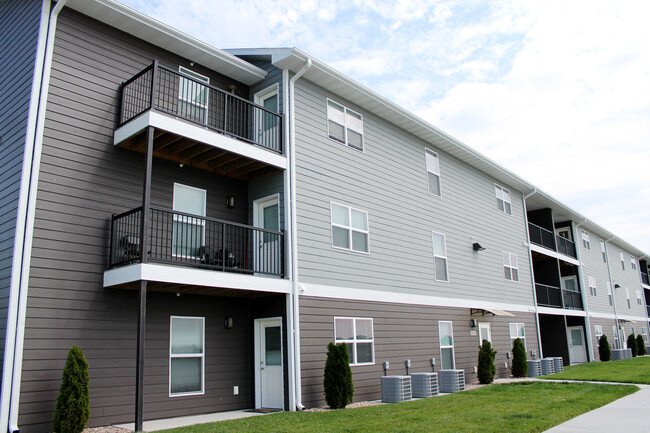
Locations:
(201, 223)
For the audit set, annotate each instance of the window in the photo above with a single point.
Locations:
(266, 122)
(517, 331)
(609, 294)
(598, 330)
(344, 125)
(186, 355)
(585, 240)
(633, 262)
(484, 332)
(503, 199)
(602, 249)
(193, 96)
(358, 335)
(188, 231)
(440, 257)
(433, 171)
(446, 345)
(349, 228)
(620, 253)
(638, 297)
(510, 266)
(644, 332)
(627, 296)
(592, 286)
(615, 337)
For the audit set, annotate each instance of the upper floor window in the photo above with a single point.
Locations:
(585, 240)
(503, 199)
(638, 297)
(188, 231)
(349, 228)
(633, 262)
(602, 249)
(622, 260)
(433, 171)
(358, 335)
(592, 286)
(609, 294)
(440, 257)
(510, 266)
(627, 296)
(344, 125)
(193, 96)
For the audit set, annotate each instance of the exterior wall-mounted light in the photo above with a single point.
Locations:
(386, 367)
(478, 247)
(228, 323)
(472, 323)
(230, 201)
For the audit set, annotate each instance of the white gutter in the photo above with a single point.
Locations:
(23, 284)
(590, 346)
(532, 272)
(294, 235)
(611, 283)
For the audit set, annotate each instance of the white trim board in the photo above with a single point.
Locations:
(198, 133)
(554, 254)
(561, 312)
(335, 292)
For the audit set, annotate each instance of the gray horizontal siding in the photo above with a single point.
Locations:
(593, 265)
(401, 332)
(19, 25)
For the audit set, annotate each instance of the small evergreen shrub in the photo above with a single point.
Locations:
(519, 364)
(603, 349)
(339, 388)
(640, 345)
(73, 404)
(486, 368)
(631, 344)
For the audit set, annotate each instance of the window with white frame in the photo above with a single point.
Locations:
(627, 296)
(440, 256)
(344, 125)
(446, 332)
(503, 199)
(433, 171)
(615, 336)
(644, 332)
(609, 294)
(357, 334)
(193, 95)
(633, 263)
(638, 297)
(188, 232)
(598, 330)
(622, 259)
(517, 331)
(602, 249)
(484, 332)
(349, 228)
(585, 240)
(186, 355)
(592, 286)
(510, 266)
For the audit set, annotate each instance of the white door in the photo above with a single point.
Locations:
(266, 123)
(268, 257)
(269, 379)
(577, 349)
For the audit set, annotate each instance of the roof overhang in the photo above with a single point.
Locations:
(153, 31)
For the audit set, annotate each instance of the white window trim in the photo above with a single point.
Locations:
(446, 256)
(345, 126)
(267, 93)
(622, 259)
(644, 332)
(354, 341)
(586, 243)
(593, 290)
(186, 220)
(609, 293)
(504, 192)
(517, 325)
(633, 262)
(349, 228)
(602, 249)
(198, 77)
(598, 331)
(510, 256)
(192, 355)
(627, 296)
(437, 156)
(453, 342)
(638, 297)
(487, 326)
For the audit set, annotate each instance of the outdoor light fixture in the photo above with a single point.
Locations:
(472, 323)
(617, 286)
(407, 363)
(230, 201)
(386, 367)
(478, 247)
(228, 323)
(433, 364)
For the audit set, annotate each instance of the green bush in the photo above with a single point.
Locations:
(631, 344)
(73, 404)
(339, 388)
(486, 368)
(603, 349)
(640, 345)
(519, 364)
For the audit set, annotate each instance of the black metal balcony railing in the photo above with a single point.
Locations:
(548, 296)
(644, 278)
(572, 300)
(547, 239)
(163, 89)
(189, 240)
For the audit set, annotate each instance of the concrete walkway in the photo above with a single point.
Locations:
(184, 421)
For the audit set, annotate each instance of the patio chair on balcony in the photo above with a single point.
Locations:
(209, 257)
(129, 248)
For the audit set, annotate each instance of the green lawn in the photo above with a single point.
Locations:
(515, 407)
(635, 370)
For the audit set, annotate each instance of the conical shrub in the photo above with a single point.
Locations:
(73, 404)
(486, 369)
(640, 345)
(631, 344)
(604, 351)
(337, 381)
(519, 364)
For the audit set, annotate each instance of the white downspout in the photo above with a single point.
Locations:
(29, 224)
(590, 346)
(294, 236)
(619, 343)
(532, 272)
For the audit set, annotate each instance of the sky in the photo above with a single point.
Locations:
(556, 91)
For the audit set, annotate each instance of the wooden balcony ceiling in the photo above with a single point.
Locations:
(194, 153)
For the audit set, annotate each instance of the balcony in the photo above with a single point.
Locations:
(572, 300)
(548, 239)
(181, 239)
(548, 296)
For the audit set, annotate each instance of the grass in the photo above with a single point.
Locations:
(635, 370)
(515, 407)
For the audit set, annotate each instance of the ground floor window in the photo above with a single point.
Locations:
(598, 330)
(644, 331)
(357, 333)
(517, 331)
(446, 332)
(186, 355)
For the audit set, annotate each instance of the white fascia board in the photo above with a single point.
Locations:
(554, 254)
(345, 293)
(637, 319)
(135, 23)
(198, 133)
(599, 315)
(561, 312)
(194, 277)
